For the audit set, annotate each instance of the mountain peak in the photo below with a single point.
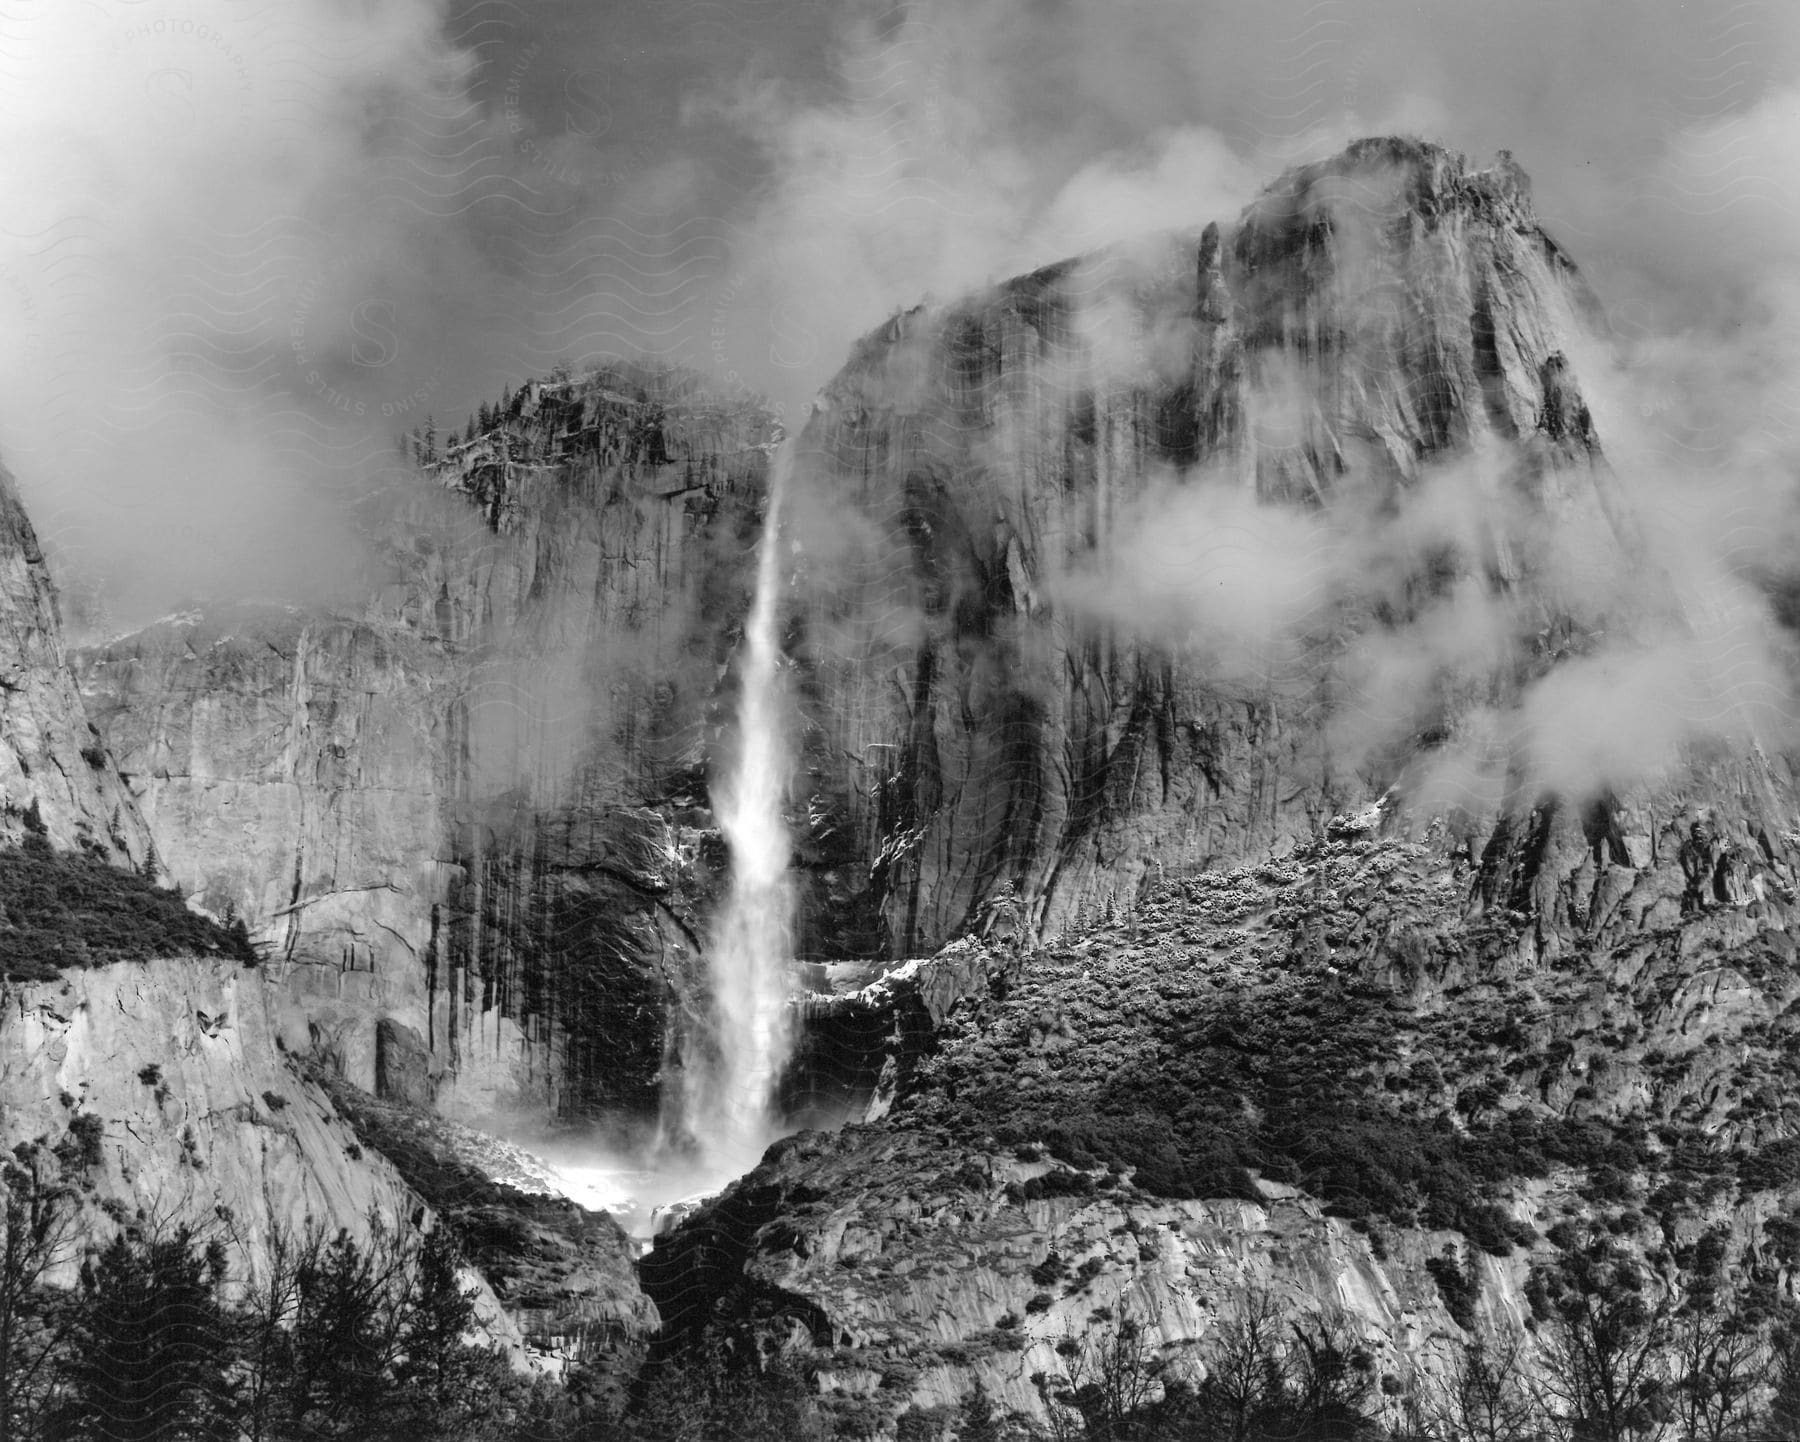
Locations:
(1427, 177)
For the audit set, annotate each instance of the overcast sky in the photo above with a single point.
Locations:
(243, 243)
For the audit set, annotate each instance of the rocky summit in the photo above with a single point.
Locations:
(1295, 892)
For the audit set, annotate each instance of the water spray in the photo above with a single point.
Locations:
(729, 1088)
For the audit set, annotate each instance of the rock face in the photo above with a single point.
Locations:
(1315, 1080)
(164, 1087)
(56, 777)
(1267, 975)
(856, 1051)
(475, 813)
(180, 1062)
(287, 766)
(908, 1269)
(168, 1086)
(1013, 687)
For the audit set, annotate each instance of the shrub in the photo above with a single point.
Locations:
(1773, 1167)
(79, 1149)
(1457, 1287)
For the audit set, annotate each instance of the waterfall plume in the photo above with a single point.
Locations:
(730, 1074)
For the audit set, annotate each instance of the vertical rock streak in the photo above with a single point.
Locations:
(1368, 319)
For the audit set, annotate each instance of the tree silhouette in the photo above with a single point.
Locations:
(1607, 1343)
(150, 1347)
(975, 1419)
(38, 1217)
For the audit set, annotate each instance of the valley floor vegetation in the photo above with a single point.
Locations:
(340, 1340)
(1334, 1020)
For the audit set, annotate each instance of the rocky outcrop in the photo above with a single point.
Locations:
(476, 812)
(564, 1274)
(167, 1091)
(908, 1268)
(170, 1088)
(856, 1051)
(56, 778)
(1316, 1080)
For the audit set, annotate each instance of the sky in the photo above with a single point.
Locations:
(245, 243)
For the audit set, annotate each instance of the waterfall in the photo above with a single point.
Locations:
(730, 1076)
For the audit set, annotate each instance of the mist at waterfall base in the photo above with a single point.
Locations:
(720, 1106)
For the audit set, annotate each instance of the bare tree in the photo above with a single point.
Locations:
(38, 1219)
(1333, 1377)
(1113, 1384)
(1247, 1367)
(1484, 1396)
(1721, 1359)
(1105, 1380)
(1607, 1352)
(268, 1311)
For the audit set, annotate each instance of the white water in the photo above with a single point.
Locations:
(729, 1076)
(722, 1115)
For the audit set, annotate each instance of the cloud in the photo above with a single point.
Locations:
(244, 246)
(950, 144)
(1197, 565)
(1663, 170)
(206, 256)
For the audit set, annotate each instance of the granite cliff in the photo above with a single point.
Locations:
(1381, 333)
(56, 775)
(1193, 650)
(160, 1074)
(467, 824)
(469, 821)
(1258, 972)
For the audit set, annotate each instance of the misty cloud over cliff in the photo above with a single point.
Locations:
(245, 247)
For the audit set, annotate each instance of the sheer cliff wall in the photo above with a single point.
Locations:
(1139, 544)
(468, 824)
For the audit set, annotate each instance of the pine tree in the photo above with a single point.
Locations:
(346, 1330)
(975, 1419)
(438, 1316)
(151, 1349)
